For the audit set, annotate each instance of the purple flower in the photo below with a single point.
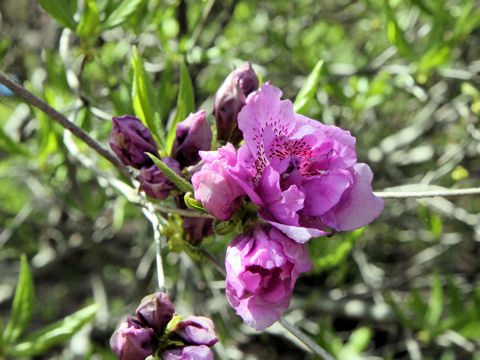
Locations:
(304, 175)
(262, 266)
(192, 134)
(130, 139)
(197, 330)
(155, 311)
(214, 188)
(132, 341)
(200, 352)
(229, 100)
(154, 182)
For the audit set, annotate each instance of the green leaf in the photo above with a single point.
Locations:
(417, 305)
(185, 103)
(11, 146)
(121, 13)
(395, 33)
(62, 11)
(89, 21)
(435, 306)
(456, 306)
(166, 90)
(51, 335)
(193, 204)
(399, 312)
(181, 183)
(23, 303)
(144, 100)
(357, 342)
(307, 92)
(471, 331)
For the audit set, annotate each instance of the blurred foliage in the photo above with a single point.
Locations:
(401, 76)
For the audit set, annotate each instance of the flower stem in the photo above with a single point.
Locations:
(317, 349)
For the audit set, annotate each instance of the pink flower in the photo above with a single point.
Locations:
(262, 266)
(214, 187)
(304, 175)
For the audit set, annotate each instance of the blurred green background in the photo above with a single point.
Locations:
(402, 76)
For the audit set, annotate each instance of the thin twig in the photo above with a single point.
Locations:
(426, 194)
(209, 257)
(62, 120)
(317, 349)
(153, 217)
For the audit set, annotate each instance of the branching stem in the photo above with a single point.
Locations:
(426, 194)
(19, 90)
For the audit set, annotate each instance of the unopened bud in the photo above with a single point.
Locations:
(229, 100)
(197, 330)
(130, 139)
(192, 135)
(154, 182)
(155, 311)
(132, 341)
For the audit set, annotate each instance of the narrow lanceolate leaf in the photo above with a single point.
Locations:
(307, 92)
(54, 334)
(181, 183)
(90, 19)
(396, 35)
(435, 306)
(144, 101)
(185, 103)
(62, 11)
(11, 146)
(121, 13)
(23, 303)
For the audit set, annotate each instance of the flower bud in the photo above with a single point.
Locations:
(192, 134)
(201, 352)
(154, 182)
(132, 341)
(229, 100)
(130, 139)
(155, 311)
(197, 330)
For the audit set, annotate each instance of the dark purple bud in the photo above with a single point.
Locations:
(132, 341)
(229, 100)
(197, 229)
(155, 311)
(154, 182)
(197, 330)
(201, 352)
(192, 134)
(130, 139)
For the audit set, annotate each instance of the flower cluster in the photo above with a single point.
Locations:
(156, 330)
(306, 181)
(301, 176)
